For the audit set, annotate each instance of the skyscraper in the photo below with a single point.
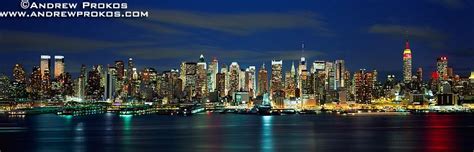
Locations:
(225, 72)
(188, 77)
(35, 83)
(262, 80)
(364, 82)
(250, 80)
(201, 81)
(110, 81)
(130, 69)
(290, 83)
(45, 63)
(276, 82)
(340, 70)
(442, 67)
(120, 67)
(94, 89)
(419, 74)
(301, 67)
(220, 84)
(211, 75)
(234, 81)
(58, 65)
(19, 74)
(407, 63)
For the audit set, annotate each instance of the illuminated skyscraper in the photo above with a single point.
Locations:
(82, 83)
(220, 85)
(46, 84)
(58, 65)
(250, 81)
(330, 72)
(120, 68)
(340, 70)
(45, 63)
(35, 83)
(364, 82)
(407, 63)
(225, 72)
(442, 68)
(242, 84)
(262, 80)
(234, 77)
(110, 83)
(301, 67)
(290, 82)
(419, 74)
(130, 69)
(211, 75)
(19, 74)
(201, 80)
(276, 82)
(189, 76)
(94, 90)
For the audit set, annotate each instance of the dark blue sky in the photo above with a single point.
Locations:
(367, 34)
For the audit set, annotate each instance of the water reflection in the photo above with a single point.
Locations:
(79, 138)
(440, 133)
(238, 133)
(126, 132)
(266, 139)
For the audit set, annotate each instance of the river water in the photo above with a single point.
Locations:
(232, 132)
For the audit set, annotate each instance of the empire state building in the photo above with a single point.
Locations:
(407, 65)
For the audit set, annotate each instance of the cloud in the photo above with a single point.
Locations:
(33, 41)
(235, 23)
(154, 27)
(192, 54)
(428, 34)
(462, 53)
(452, 4)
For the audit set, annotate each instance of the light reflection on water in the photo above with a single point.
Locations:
(214, 132)
(266, 135)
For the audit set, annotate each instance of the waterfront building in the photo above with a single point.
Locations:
(364, 82)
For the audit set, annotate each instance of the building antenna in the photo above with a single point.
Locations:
(302, 48)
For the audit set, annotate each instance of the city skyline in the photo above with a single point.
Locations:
(175, 33)
(57, 60)
(236, 75)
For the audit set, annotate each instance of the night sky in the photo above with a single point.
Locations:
(366, 34)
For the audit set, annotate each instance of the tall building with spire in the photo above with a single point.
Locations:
(301, 67)
(407, 63)
(290, 82)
